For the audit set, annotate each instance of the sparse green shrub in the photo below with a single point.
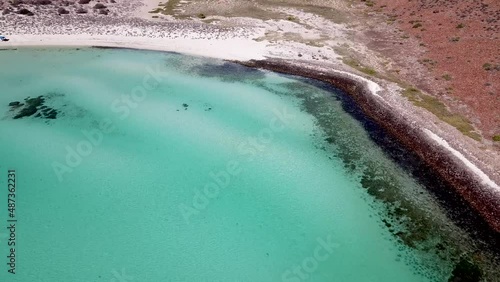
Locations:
(156, 11)
(447, 77)
(357, 65)
(496, 138)
(487, 66)
(439, 109)
(201, 16)
(368, 3)
(417, 25)
(461, 25)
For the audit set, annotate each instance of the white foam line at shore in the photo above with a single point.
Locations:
(485, 179)
(372, 86)
(228, 49)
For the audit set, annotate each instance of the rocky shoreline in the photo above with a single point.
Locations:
(481, 197)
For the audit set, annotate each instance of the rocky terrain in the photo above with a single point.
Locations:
(448, 48)
(59, 7)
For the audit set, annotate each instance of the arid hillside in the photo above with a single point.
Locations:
(457, 47)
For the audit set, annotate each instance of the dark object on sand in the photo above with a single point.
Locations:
(42, 2)
(81, 11)
(26, 12)
(99, 6)
(62, 11)
(3, 38)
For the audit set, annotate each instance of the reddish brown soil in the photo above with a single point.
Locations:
(453, 41)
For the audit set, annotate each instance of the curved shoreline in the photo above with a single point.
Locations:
(474, 185)
(471, 183)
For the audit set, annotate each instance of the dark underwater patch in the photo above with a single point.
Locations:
(465, 271)
(33, 107)
(228, 72)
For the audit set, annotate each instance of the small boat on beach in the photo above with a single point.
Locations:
(3, 38)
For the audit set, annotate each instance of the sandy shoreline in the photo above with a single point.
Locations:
(228, 49)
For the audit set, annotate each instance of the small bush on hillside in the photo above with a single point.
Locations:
(487, 66)
(447, 77)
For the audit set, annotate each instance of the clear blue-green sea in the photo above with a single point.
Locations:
(146, 166)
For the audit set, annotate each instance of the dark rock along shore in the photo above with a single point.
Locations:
(479, 214)
(449, 169)
(470, 204)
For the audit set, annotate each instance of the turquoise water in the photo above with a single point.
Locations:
(162, 167)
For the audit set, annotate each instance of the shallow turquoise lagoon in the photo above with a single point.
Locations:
(145, 166)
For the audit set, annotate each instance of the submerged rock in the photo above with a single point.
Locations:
(33, 106)
(465, 271)
(49, 113)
